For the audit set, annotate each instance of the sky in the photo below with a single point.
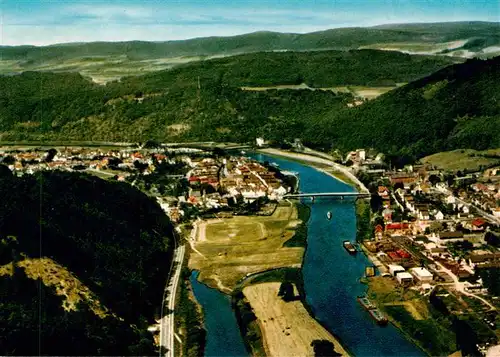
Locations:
(42, 22)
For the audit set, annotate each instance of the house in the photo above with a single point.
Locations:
(383, 191)
(395, 269)
(387, 214)
(422, 274)
(260, 142)
(379, 232)
(397, 227)
(439, 216)
(405, 178)
(423, 214)
(479, 256)
(450, 199)
(478, 224)
(404, 278)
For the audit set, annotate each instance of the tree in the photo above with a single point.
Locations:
(140, 166)
(9, 160)
(399, 185)
(466, 337)
(376, 203)
(206, 188)
(434, 179)
(51, 153)
(5, 171)
(438, 303)
(436, 227)
(286, 291)
(324, 348)
(151, 144)
(218, 152)
(492, 239)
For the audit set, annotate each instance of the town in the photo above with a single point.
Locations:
(432, 233)
(436, 234)
(182, 179)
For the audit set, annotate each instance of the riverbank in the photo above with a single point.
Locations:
(324, 165)
(412, 314)
(190, 322)
(230, 253)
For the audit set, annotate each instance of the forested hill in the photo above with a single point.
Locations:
(83, 264)
(457, 107)
(170, 106)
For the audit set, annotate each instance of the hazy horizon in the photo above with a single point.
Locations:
(39, 23)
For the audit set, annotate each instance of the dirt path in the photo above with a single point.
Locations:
(287, 327)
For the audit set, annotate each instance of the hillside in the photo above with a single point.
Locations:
(456, 107)
(79, 274)
(105, 61)
(168, 105)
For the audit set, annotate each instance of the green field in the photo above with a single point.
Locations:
(463, 159)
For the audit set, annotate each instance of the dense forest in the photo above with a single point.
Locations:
(454, 107)
(112, 237)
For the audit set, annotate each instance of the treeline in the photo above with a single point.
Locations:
(112, 237)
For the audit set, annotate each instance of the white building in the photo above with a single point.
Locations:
(422, 274)
(404, 278)
(395, 269)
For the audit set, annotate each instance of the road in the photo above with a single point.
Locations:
(460, 287)
(483, 213)
(167, 325)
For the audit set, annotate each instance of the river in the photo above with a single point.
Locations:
(331, 278)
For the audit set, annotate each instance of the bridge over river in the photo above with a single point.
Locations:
(340, 195)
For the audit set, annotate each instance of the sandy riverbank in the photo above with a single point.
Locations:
(321, 164)
(287, 327)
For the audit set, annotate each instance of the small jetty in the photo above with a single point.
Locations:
(351, 249)
(375, 313)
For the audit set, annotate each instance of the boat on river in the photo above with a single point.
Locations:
(351, 249)
(329, 215)
(378, 316)
(375, 313)
(366, 303)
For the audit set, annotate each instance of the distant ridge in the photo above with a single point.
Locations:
(338, 38)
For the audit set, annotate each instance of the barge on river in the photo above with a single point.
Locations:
(375, 313)
(351, 249)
